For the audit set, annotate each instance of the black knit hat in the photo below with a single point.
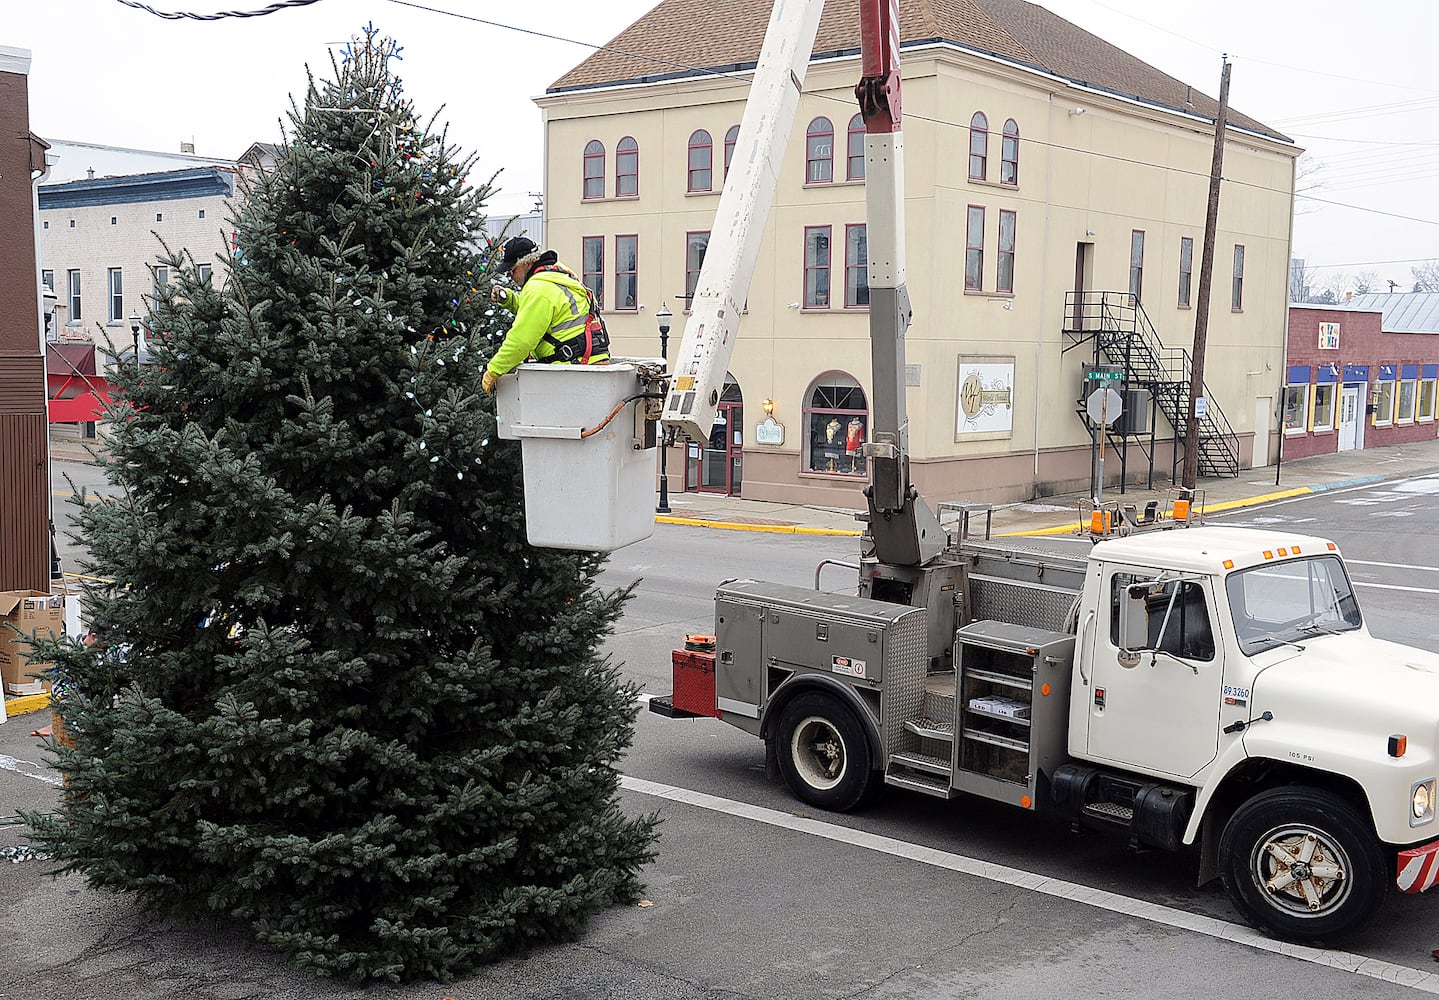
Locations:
(516, 248)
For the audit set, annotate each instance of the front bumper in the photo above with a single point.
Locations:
(1419, 867)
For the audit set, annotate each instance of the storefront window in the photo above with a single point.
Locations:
(1384, 404)
(1296, 408)
(1407, 391)
(1426, 399)
(1324, 407)
(836, 426)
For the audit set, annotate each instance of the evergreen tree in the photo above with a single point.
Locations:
(337, 696)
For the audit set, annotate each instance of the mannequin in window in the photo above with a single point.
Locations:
(831, 439)
(854, 441)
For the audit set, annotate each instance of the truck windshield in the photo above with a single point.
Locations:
(1286, 602)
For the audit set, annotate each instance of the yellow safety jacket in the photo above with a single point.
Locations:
(554, 314)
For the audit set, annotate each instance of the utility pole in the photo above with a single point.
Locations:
(1206, 272)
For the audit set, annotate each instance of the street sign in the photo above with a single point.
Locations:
(1201, 407)
(1104, 406)
(1103, 375)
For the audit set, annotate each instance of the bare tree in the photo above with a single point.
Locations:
(1426, 276)
(1302, 279)
(1308, 180)
(1365, 282)
(1335, 286)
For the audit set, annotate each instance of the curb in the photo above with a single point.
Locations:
(773, 529)
(25, 704)
(1061, 529)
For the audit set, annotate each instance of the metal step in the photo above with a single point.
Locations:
(921, 762)
(1110, 811)
(938, 787)
(933, 729)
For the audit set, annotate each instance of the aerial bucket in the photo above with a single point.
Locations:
(588, 446)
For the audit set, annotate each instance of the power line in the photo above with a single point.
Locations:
(218, 15)
(935, 121)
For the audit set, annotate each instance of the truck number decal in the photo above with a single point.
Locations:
(848, 666)
(1235, 695)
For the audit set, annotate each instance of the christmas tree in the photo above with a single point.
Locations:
(337, 697)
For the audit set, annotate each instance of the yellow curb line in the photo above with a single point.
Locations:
(1212, 508)
(774, 529)
(26, 704)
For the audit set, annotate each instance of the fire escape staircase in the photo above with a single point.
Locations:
(1123, 336)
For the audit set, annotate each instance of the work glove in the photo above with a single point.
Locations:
(487, 382)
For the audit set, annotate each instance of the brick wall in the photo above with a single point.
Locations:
(1358, 355)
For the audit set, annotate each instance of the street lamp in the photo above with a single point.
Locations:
(135, 334)
(663, 316)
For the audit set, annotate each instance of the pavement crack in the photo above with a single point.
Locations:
(1001, 917)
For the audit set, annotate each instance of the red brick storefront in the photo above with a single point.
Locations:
(1351, 385)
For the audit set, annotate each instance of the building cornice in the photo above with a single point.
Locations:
(13, 60)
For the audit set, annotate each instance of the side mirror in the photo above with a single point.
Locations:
(1133, 626)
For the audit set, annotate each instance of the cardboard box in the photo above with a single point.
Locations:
(30, 612)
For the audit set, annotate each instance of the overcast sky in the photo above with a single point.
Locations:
(1354, 85)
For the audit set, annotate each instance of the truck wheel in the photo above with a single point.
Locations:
(1302, 864)
(823, 753)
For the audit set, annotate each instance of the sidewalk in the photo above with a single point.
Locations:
(1057, 514)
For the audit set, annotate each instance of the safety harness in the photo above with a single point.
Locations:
(596, 339)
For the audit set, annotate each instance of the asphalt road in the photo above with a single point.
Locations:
(754, 896)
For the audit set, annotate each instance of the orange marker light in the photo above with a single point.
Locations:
(1333, 547)
(1268, 555)
(1294, 549)
(1044, 690)
(1397, 745)
(1229, 564)
(1283, 552)
(1024, 802)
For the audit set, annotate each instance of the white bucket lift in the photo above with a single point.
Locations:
(586, 489)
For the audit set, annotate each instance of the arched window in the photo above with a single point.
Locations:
(978, 146)
(836, 420)
(627, 168)
(1009, 154)
(701, 162)
(594, 169)
(730, 138)
(854, 168)
(819, 152)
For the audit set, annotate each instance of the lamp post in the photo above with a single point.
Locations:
(663, 316)
(135, 334)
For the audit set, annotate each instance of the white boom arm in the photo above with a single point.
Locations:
(700, 364)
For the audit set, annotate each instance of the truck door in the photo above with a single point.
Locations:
(1159, 715)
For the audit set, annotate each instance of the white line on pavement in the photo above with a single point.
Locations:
(1365, 562)
(1344, 961)
(1395, 586)
(23, 768)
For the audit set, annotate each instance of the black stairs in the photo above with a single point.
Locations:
(1124, 336)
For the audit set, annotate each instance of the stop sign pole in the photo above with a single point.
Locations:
(1099, 400)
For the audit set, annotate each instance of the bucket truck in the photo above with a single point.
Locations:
(1201, 686)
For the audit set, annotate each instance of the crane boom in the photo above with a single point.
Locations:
(903, 529)
(723, 284)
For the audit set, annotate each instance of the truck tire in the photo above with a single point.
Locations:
(1303, 864)
(823, 753)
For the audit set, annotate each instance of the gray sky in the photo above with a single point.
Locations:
(1355, 86)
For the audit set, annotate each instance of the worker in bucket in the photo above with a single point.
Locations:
(557, 320)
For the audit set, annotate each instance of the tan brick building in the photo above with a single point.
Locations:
(1045, 169)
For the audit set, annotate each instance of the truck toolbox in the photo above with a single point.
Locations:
(694, 680)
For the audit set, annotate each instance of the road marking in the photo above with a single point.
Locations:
(1395, 586)
(1360, 965)
(22, 768)
(1365, 562)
